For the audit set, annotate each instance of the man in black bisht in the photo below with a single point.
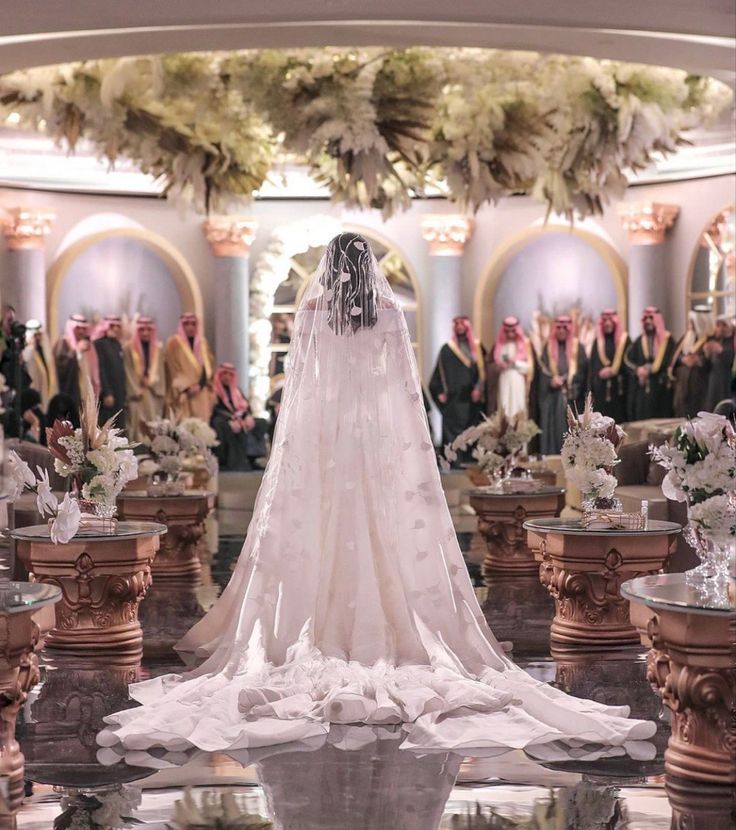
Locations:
(606, 372)
(561, 382)
(457, 381)
(719, 362)
(112, 371)
(648, 360)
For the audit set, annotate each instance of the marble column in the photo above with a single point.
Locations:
(230, 238)
(647, 224)
(24, 282)
(446, 234)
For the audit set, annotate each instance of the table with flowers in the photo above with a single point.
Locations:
(583, 571)
(502, 512)
(103, 576)
(690, 631)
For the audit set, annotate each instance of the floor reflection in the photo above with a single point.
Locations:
(356, 777)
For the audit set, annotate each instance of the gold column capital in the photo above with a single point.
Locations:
(26, 228)
(230, 235)
(446, 233)
(647, 222)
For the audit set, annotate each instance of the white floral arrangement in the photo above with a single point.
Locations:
(65, 515)
(497, 442)
(590, 452)
(98, 460)
(171, 444)
(109, 810)
(215, 811)
(700, 460)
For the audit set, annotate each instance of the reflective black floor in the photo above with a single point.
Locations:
(356, 778)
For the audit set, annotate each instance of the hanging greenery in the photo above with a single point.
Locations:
(375, 126)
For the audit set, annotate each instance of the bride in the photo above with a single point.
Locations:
(350, 602)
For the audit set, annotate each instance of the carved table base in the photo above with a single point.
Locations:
(690, 663)
(501, 518)
(583, 573)
(102, 583)
(184, 516)
(21, 636)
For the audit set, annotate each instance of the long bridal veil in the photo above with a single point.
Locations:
(350, 602)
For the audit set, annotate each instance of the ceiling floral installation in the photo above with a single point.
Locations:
(375, 126)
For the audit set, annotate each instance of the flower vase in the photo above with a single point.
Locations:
(500, 475)
(717, 560)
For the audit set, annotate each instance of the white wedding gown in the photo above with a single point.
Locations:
(351, 602)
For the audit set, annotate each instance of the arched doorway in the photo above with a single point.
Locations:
(126, 270)
(548, 270)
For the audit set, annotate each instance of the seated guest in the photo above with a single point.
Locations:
(39, 363)
(687, 370)
(76, 358)
(112, 370)
(62, 408)
(648, 359)
(719, 360)
(189, 362)
(242, 437)
(34, 421)
(509, 370)
(144, 372)
(607, 377)
(273, 404)
(561, 383)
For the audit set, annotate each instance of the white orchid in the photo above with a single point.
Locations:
(20, 475)
(66, 523)
(46, 501)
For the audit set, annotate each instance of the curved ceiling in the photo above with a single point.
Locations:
(698, 36)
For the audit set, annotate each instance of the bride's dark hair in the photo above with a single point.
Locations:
(349, 283)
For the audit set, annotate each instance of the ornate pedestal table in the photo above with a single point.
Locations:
(184, 516)
(691, 634)
(501, 518)
(23, 626)
(583, 571)
(103, 578)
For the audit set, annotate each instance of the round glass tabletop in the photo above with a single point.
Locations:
(671, 592)
(144, 494)
(573, 527)
(16, 597)
(127, 530)
(523, 490)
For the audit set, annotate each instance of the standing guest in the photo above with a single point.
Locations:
(509, 370)
(648, 358)
(563, 373)
(687, 371)
(457, 383)
(242, 437)
(75, 359)
(144, 373)
(112, 370)
(39, 363)
(189, 363)
(607, 377)
(719, 361)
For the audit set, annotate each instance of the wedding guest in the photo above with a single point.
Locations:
(719, 360)
(112, 370)
(62, 408)
(687, 371)
(648, 359)
(563, 373)
(457, 383)
(509, 370)
(189, 368)
(607, 377)
(144, 374)
(34, 421)
(75, 359)
(39, 363)
(242, 437)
